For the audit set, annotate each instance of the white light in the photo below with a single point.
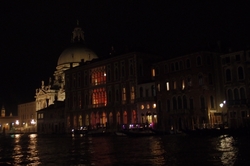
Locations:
(32, 121)
(17, 122)
(221, 105)
(224, 101)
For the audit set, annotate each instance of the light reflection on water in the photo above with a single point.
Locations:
(229, 151)
(33, 149)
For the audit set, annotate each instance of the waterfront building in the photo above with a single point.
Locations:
(72, 56)
(27, 117)
(8, 124)
(236, 74)
(189, 91)
(103, 92)
(51, 119)
(146, 104)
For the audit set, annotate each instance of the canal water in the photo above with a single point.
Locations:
(172, 150)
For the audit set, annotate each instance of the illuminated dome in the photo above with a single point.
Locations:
(76, 54)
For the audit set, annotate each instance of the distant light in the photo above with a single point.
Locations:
(32, 121)
(17, 122)
(221, 105)
(224, 101)
(104, 74)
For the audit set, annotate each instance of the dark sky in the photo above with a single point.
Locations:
(34, 33)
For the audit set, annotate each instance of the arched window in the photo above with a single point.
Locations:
(210, 79)
(116, 95)
(179, 102)
(242, 93)
(168, 105)
(174, 103)
(184, 102)
(236, 94)
(202, 100)
(228, 75)
(176, 66)
(188, 64)
(141, 92)
(153, 90)
(212, 101)
(198, 61)
(191, 103)
(200, 79)
(125, 117)
(230, 94)
(240, 73)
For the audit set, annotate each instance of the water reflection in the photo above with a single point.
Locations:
(157, 151)
(229, 151)
(25, 149)
(70, 150)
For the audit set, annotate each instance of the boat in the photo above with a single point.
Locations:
(120, 133)
(99, 132)
(139, 133)
(82, 130)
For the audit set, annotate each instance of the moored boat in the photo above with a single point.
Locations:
(139, 133)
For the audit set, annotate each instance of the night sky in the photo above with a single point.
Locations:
(33, 34)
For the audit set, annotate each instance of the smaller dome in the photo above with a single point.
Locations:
(76, 54)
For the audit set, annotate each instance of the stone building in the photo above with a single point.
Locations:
(8, 123)
(70, 57)
(51, 119)
(103, 92)
(236, 81)
(189, 91)
(27, 116)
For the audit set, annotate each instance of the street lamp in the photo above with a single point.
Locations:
(221, 105)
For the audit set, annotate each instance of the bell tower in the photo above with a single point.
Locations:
(3, 112)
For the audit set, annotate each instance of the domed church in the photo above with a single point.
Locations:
(72, 56)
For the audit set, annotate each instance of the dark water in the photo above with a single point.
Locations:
(170, 150)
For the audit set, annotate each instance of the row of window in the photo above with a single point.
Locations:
(240, 74)
(100, 75)
(177, 66)
(236, 94)
(148, 106)
(183, 83)
(182, 103)
(227, 60)
(99, 97)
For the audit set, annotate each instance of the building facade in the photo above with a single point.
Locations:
(27, 117)
(51, 120)
(189, 91)
(103, 92)
(236, 81)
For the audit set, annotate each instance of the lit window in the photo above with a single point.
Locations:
(154, 105)
(98, 75)
(167, 86)
(159, 87)
(175, 87)
(148, 107)
(132, 93)
(142, 106)
(153, 72)
(123, 94)
(183, 84)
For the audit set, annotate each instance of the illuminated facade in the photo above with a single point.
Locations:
(146, 104)
(76, 53)
(104, 92)
(27, 117)
(8, 123)
(189, 91)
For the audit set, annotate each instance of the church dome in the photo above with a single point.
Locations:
(76, 54)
